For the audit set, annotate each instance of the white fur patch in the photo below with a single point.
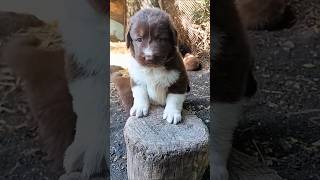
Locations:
(141, 101)
(156, 80)
(147, 51)
(89, 145)
(172, 111)
(225, 120)
(85, 33)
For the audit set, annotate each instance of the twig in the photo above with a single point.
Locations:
(303, 112)
(260, 154)
(314, 120)
(270, 91)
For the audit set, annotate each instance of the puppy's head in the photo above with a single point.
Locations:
(151, 37)
(101, 6)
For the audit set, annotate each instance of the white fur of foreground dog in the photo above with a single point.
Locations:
(84, 33)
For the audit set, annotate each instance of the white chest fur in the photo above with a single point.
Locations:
(155, 80)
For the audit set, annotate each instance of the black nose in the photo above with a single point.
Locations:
(148, 57)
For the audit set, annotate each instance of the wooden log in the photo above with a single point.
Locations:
(159, 150)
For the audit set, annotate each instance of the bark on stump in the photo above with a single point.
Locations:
(157, 150)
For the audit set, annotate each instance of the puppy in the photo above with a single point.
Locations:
(232, 82)
(156, 69)
(83, 27)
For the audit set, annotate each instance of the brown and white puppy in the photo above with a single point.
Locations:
(156, 69)
(232, 82)
(83, 27)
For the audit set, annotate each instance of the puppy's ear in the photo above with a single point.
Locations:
(173, 32)
(128, 37)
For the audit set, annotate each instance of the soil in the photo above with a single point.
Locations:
(281, 124)
(280, 127)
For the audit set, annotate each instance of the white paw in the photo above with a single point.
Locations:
(72, 176)
(139, 109)
(93, 158)
(73, 158)
(220, 173)
(173, 116)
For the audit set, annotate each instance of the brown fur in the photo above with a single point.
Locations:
(232, 64)
(264, 14)
(162, 40)
(46, 87)
(122, 84)
(191, 62)
(101, 6)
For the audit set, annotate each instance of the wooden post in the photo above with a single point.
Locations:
(157, 150)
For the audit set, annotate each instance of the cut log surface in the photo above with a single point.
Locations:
(157, 150)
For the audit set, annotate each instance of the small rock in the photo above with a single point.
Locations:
(272, 105)
(266, 75)
(285, 144)
(288, 45)
(296, 85)
(3, 122)
(317, 143)
(309, 65)
(313, 53)
(115, 159)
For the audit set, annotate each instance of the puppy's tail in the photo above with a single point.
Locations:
(121, 81)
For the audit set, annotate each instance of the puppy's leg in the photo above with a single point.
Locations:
(172, 111)
(225, 119)
(73, 157)
(232, 66)
(141, 101)
(90, 142)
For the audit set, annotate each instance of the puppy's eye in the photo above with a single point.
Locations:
(139, 39)
(163, 39)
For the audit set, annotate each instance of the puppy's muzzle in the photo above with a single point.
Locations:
(148, 55)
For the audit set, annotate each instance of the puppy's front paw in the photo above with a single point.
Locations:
(139, 109)
(71, 176)
(172, 115)
(220, 173)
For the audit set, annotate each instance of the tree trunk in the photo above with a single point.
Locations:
(158, 150)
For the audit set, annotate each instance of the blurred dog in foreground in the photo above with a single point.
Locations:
(57, 103)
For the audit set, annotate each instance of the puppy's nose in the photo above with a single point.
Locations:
(148, 55)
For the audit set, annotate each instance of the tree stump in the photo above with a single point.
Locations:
(157, 150)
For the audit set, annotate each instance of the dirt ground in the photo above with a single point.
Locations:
(280, 127)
